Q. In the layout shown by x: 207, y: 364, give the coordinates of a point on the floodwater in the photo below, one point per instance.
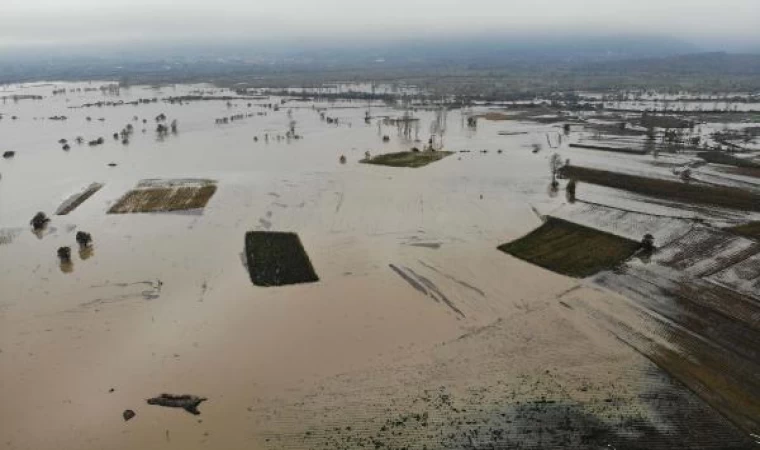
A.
x: 414, y: 301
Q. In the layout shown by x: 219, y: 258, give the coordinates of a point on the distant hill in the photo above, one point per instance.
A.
x: 716, y: 63
x: 470, y: 52
x: 494, y: 66
x: 500, y: 50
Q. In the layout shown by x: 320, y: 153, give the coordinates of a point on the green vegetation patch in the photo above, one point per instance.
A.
x: 277, y: 259
x: 571, y: 249
x: 721, y: 196
x: 153, y: 196
x: 750, y: 230
x: 407, y: 159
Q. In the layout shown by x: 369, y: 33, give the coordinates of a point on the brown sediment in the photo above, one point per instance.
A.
x: 425, y: 286
x: 435, y: 292
x: 454, y: 279
x: 75, y: 200
x: 462, y: 398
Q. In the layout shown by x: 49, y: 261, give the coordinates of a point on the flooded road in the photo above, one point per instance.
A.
x: 413, y: 301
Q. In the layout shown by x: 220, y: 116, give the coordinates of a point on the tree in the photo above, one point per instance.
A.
x: 555, y: 164
x: 647, y: 244
x: 571, y: 185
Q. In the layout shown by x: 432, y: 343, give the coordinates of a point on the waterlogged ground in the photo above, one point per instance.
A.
x: 419, y: 333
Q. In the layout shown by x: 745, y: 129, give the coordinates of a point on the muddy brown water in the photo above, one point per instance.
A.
x: 163, y: 303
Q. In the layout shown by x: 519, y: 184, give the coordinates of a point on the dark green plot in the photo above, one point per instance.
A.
x: 277, y: 259
x: 571, y: 249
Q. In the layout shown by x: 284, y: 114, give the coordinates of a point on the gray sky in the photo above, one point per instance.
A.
x: 112, y: 21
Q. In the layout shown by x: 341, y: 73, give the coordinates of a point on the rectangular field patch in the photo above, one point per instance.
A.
x: 678, y: 191
x: 277, y: 259
x: 571, y: 249
x: 150, y: 196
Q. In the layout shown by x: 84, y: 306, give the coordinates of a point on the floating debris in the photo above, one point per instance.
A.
x: 187, y: 402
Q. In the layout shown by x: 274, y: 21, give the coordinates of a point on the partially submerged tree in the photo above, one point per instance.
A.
x: 64, y: 254
x: 571, y: 185
x: 555, y: 165
x: 647, y: 244
x: 39, y: 221
x: 84, y: 239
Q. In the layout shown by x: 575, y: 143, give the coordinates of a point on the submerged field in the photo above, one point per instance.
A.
x: 419, y: 333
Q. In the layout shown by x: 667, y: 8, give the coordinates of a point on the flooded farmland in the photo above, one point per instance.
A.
x: 418, y: 332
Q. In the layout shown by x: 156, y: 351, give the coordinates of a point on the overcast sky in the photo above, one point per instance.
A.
x: 704, y: 22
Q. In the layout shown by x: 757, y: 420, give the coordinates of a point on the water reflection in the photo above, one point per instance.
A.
x: 86, y: 253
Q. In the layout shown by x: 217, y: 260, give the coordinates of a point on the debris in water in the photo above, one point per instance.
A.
x: 128, y: 414
x: 187, y: 402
